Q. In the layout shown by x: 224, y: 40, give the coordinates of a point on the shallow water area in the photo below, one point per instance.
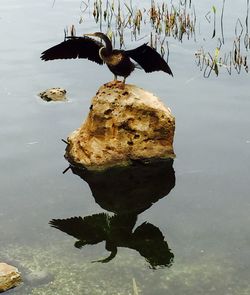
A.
x: 202, y: 215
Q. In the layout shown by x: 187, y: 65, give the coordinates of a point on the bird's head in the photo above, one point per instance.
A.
x: 97, y: 34
x: 103, y: 37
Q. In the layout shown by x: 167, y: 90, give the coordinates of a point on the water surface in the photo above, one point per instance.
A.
x: 204, y: 218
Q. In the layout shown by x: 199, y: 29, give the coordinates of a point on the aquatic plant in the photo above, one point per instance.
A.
x: 233, y: 59
x: 159, y: 21
x: 221, y: 22
x: 118, y: 18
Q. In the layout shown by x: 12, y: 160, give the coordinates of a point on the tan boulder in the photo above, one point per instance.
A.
x: 125, y: 123
x: 9, y: 277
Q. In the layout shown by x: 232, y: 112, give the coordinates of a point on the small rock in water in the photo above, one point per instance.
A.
x: 10, y: 277
x: 53, y: 94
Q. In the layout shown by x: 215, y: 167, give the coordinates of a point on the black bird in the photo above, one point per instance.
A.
x: 118, y: 61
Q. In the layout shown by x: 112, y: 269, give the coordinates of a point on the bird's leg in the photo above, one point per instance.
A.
x: 115, y: 77
x: 124, y: 80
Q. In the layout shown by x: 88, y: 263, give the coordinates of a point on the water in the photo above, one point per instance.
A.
x: 205, y: 217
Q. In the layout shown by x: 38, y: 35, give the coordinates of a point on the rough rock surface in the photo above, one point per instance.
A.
x: 53, y: 94
x: 9, y: 277
x: 125, y: 123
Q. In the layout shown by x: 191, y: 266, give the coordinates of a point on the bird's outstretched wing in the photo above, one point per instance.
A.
x: 71, y: 226
x: 149, y: 59
x: 75, y: 47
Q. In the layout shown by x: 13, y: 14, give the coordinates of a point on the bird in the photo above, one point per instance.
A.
x: 120, y: 62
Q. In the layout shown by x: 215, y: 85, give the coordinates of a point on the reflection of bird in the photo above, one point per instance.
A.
x: 117, y: 231
x: 118, y: 61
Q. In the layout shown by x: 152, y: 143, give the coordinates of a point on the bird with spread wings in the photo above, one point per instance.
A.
x: 118, y: 61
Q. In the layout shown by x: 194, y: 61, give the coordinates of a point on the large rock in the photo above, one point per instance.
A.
x: 9, y: 277
x: 125, y: 123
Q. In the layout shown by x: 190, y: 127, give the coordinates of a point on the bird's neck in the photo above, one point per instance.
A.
x: 104, y: 53
x: 108, y: 45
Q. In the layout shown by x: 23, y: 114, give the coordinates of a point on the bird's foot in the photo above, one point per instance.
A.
x: 115, y: 83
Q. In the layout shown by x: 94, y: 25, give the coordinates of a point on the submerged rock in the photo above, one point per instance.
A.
x: 125, y: 123
x: 38, y: 277
x: 10, y: 277
x: 53, y: 94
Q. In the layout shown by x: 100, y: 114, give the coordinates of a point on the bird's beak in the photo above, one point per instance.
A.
x: 93, y: 35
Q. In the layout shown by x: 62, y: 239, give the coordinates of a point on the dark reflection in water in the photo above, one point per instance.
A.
x: 126, y: 192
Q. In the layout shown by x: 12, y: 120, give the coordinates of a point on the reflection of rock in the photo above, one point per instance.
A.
x: 53, y: 94
x: 127, y: 192
x: 130, y: 189
x: 125, y: 123
x: 9, y: 277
